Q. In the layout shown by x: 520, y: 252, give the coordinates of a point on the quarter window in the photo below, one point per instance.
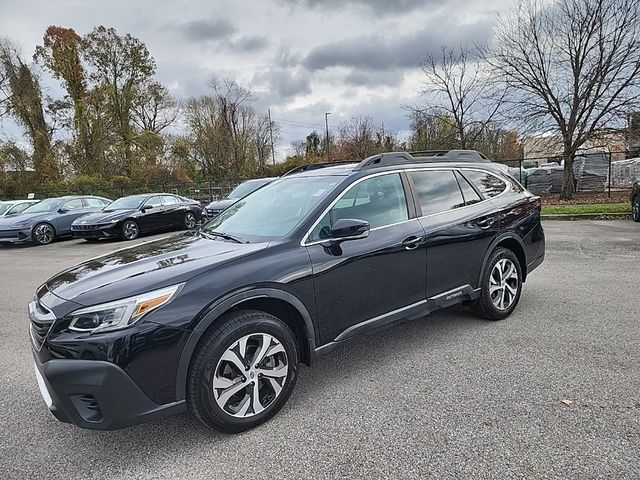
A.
x: 489, y: 185
x: 437, y: 191
x: 379, y: 200
x: 469, y: 194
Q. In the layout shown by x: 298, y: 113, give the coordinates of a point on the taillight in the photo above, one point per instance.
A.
x: 537, y: 202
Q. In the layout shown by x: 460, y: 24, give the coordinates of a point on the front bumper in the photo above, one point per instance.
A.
x: 97, y: 395
x: 15, y: 236
x: 98, y: 232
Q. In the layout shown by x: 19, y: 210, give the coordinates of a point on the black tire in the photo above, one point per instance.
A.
x: 635, y: 208
x: 207, y: 363
x: 130, y: 230
x: 190, y: 221
x: 484, y: 306
x: 43, y: 233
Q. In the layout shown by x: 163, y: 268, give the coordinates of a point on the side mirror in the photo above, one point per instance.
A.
x: 63, y: 210
x: 146, y: 207
x: 348, y: 229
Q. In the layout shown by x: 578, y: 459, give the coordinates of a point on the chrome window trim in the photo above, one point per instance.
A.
x: 304, y: 243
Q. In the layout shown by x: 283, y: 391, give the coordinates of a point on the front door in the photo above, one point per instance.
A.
x: 152, y: 215
x: 371, y: 279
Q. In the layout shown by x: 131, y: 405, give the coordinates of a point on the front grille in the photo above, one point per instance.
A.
x: 84, y: 227
x: 41, y: 321
x: 213, y: 213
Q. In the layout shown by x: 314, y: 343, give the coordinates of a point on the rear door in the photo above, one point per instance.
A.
x: 459, y: 224
x: 368, y: 281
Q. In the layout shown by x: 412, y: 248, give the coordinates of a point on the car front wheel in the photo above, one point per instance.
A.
x: 130, y: 230
x: 189, y: 221
x: 501, y: 286
x: 43, y: 233
x: 243, y: 372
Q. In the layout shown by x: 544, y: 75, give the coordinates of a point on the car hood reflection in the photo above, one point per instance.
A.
x: 145, y: 267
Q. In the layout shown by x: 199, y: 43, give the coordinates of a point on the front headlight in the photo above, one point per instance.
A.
x: 121, y: 313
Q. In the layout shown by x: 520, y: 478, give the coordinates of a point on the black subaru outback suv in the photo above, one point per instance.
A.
x: 217, y: 320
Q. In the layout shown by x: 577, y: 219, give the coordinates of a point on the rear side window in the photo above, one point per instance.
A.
x: 488, y: 184
x: 437, y: 191
x: 94, y: 203
x: 469, y: 194
x: 74, y: 204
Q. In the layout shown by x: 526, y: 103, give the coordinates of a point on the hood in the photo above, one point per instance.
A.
x: 222, y: 204
x: 145, y: 267
x: 22, y: 219
x: 103, y: 217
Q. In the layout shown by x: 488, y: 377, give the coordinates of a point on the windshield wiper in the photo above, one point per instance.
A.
x: 226, y: 236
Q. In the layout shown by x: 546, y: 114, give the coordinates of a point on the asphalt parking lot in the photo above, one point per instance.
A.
x: 449, y: 396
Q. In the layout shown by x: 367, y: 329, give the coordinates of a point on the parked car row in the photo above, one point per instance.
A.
x: 93, y: 217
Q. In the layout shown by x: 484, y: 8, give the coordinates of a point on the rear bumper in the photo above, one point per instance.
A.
x: 97, y: 395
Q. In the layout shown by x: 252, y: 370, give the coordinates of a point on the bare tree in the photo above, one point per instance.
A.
x: 357, y: 138
x: 460, y: 91
x: 575, y: 65
x: 154, y: 108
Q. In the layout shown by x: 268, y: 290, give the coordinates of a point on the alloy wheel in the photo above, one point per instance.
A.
x: 130, y: 230
x: 189, y: 221
x: 250, y: 375
x: 43, y: 233
x: 503, y: 284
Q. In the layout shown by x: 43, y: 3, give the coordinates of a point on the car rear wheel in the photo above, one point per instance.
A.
x: 501, y: 286
x: 243, y: 372
x: 43, y: 233
x: 635, y: 208
x: 130, y: 230
x: 189, y: 221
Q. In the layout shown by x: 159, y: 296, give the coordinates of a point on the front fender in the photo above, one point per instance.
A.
x: 221, y: 306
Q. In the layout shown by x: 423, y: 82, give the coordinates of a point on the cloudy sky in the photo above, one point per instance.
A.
x: 302, y: 57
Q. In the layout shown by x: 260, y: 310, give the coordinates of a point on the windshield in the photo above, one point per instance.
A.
x: 246, y: 188
x: 48, y: 205
x: 126, y: 203
x: 273, y: 211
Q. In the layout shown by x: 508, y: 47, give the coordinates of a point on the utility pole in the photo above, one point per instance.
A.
x: 273, y: 155
x: 326, y: 124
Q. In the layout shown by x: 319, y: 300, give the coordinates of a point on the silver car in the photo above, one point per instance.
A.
x: 13, y: 207
x: 48, y: 219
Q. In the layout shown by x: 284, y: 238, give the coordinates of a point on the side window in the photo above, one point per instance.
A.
x: 437, y: 191
x: 488, y: 184
x: 379, y: 200
x: 469, y: 194
x: 169, y: 200
x: 93, y: 203
x: 18, y: 208
x: 153, y: 202
x: 74, y: 204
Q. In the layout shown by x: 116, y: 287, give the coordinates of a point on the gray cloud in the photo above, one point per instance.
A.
x: 284, y: 84
x: 203, y: 30
x: 249, y: 43
x: 373, y: 78
x: 375, y: 6
x: 388, y: 53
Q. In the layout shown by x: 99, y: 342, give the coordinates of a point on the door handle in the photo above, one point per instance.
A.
x: 411, y: 243
x: 486, y: 223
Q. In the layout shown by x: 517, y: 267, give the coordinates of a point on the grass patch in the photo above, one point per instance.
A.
x: 586, y: 208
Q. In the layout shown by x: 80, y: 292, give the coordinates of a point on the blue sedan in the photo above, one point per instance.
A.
x: 42, y: 222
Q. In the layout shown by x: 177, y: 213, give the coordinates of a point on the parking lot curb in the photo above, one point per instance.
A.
x: 587, y: 216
